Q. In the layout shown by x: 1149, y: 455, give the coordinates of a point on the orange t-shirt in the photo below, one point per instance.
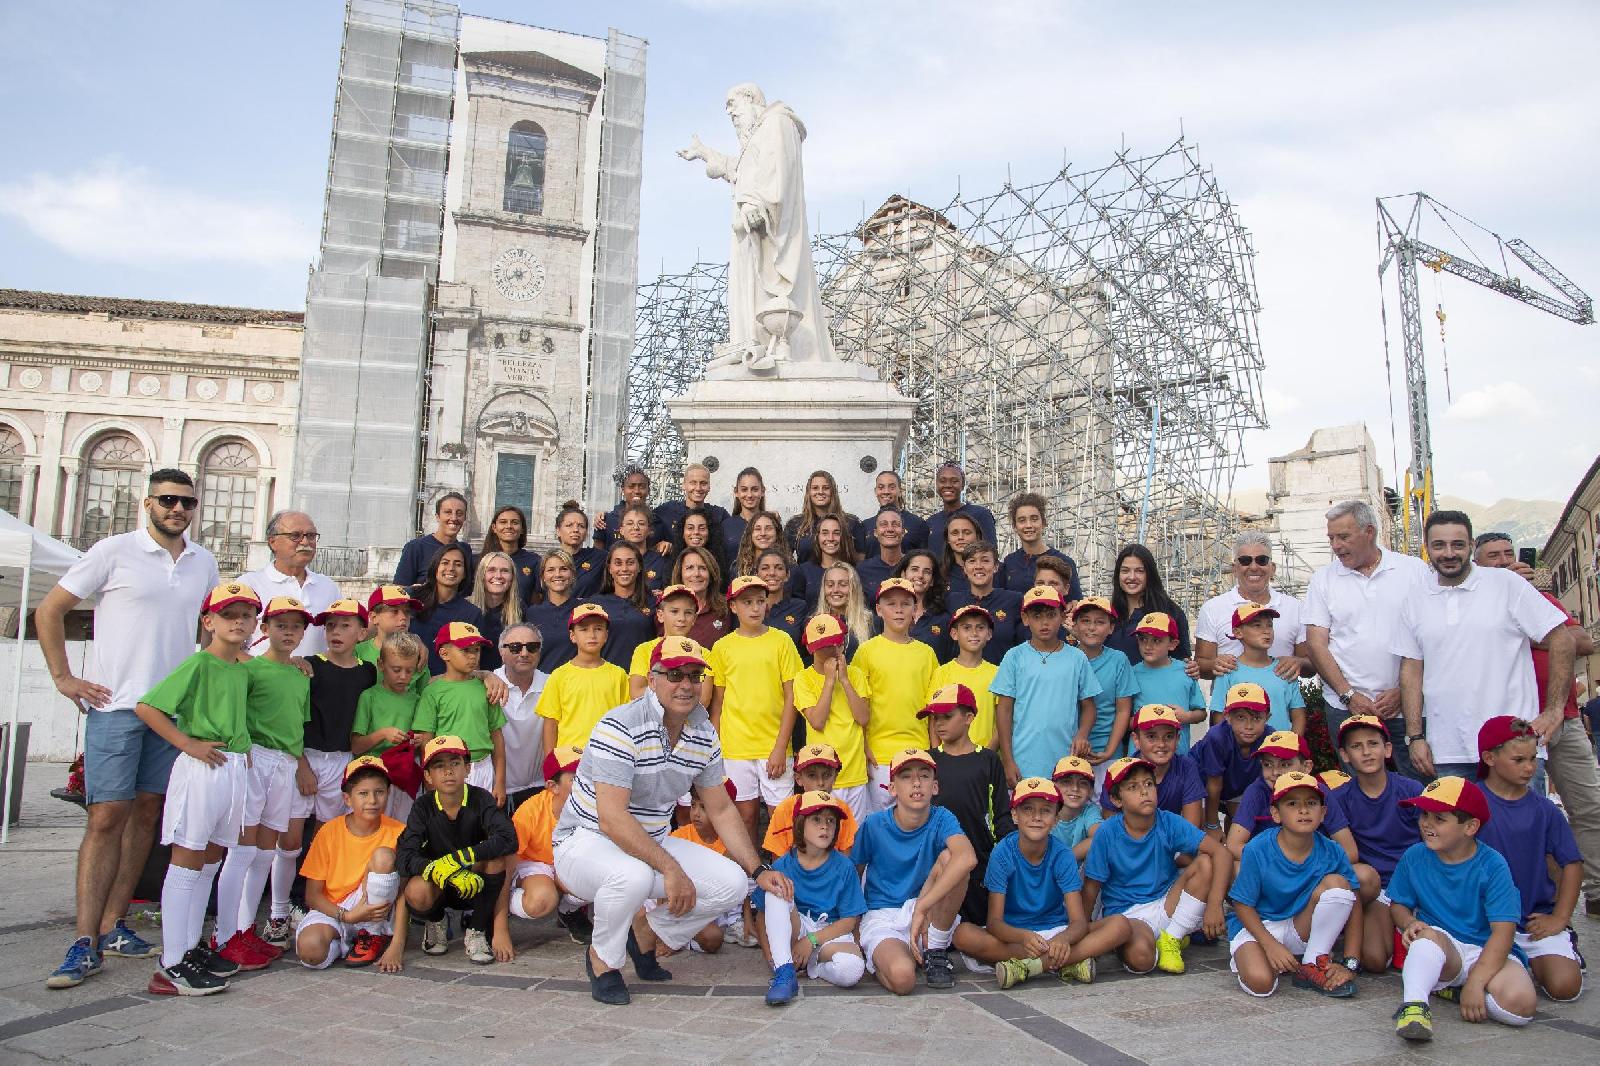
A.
x: 536, y: 824
x: 780, y: 829
x: 338, y: 858
x: 688, y: 833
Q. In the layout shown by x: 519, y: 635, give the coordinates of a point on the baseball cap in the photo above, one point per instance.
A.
x: 1365, y: 721
x: 1332, y: 779
x: 444, y: 745
x: 973, y: 610
x: 1072, y: 766
x: 1121, y: 768
x: 740, y: 585
x: 674, y: 653
x: 1452, y: 794
x: 824, y: 631
x: 1292, y: 780
x: 812, y: 754
x: 587, y: 612
x: 392, y: 596
x: 1034, y: 788
x: 812, y: 802
x: 343, y: 609
x: 1159, y: 624
x: 1495, y: 732
x: 909, y: 757
x: 1042, y: 596
x: 1247, y: 696
x: 561, y: 760
x: 285, y: 605
x: 460, y: 634
x: 947, y: 699
x: 895, y: 584
x: 1247, y: 612
x: 360, y: 763
x: 1285, y: 744
x: 1152, y: 715
x: 1097, y: 603
x: 227, y: 594
x: 678, y: 590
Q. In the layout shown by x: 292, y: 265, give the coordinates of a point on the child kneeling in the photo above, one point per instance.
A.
x: 532, y: 891
x: 828, y: 904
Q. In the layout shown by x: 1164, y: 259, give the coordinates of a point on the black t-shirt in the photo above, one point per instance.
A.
x: 335, y: 691
x: 973, y: 788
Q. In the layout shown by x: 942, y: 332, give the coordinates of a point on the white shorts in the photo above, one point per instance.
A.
x: 749, y: 777
x: 1557, y: 946
x: 855, y: 797
x: 205, y: 804
x: 1282, y: 930
x: 1469, y: 958
x: 481, y: 773
x: 328, y: 801
x: 269, y: 793
x: 344, y: 933
x: 400, y: 804
x: 1153, y: 914
x: 877, y: 786
x: 532, y: 868
x: 883, y: 924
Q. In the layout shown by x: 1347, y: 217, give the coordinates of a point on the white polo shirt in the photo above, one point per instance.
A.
x: 1360, y: 613
x: 148, y: 614
x: 318, y: 593
x: 523, y: 733
x: 1215, y: 622
x: 1473, y: 640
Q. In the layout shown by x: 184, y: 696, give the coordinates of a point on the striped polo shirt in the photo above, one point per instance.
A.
x: 628, y: 749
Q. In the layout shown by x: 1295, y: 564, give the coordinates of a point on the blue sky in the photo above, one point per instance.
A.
x: 177, y: 151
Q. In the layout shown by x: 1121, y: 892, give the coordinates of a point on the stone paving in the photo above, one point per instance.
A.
x: 538, y: 1007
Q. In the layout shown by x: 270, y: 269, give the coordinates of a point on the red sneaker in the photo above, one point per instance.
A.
x: 271, y: 951
x: 1397, y: 957
x: 366, y: 949
x: 239, y: 951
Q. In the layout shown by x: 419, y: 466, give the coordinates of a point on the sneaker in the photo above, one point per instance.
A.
x: 188, y: 978
x: 784, y: 987
x: 435, y: 938
x: 937, y: 969
x: 736, y: 933
x: 1449, y: 995
x: 82, y: 961
x: 213, y: 960
x: 1413, y: 1021
x: 239, y: 951
x: 477, y: 944
x: 1082, y: 972
x: 262, y: 946
x: 366, y: 949
x: 1008, y: 972
x: 1169, y: 953
x: 124, y: 943
x: 1318, y: 975
x: 577, y: 923
x: 277, y: 934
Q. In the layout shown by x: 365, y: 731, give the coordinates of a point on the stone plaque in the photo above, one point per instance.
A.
x: 519, y: 370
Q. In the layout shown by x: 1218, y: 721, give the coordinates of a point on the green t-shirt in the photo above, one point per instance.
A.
x: 210, y: 700
x: 380, y: 708
x: 280, y: 705
x: 462, y: 709
x: 367, y: 652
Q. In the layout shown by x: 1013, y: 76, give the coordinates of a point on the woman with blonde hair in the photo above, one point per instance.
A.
x: 843, y: 597
x: 494, y: 592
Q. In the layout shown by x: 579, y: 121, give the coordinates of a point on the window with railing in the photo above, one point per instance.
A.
x: 228, y: 503
x: 112, y: 488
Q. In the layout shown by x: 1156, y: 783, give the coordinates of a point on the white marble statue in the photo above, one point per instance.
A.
x: 774, y: 315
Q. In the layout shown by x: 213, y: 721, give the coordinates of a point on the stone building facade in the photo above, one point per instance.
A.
x: 1572, y: 558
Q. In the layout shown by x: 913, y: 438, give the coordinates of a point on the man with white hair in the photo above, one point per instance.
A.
x: 1216, y: 649
x: 292, y: 536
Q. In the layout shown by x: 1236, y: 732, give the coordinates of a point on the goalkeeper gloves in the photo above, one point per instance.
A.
x: 466, y: 883
x: 440, y: 870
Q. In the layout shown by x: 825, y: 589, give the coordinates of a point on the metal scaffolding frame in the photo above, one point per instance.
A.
x: 1090, y: 337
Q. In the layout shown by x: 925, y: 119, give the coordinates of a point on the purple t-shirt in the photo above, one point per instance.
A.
x: 1255, y: 811
x: 1524, y: 831
x: 1182, y: 785
x: 1383, y: 829
x: 1217, y: 754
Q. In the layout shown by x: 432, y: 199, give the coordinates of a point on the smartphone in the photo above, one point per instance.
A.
x: 1528, y: 556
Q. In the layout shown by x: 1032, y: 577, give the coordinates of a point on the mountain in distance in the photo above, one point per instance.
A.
x: 1529, y: 522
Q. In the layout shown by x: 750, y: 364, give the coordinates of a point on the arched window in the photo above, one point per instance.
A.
x: 11, y: 453
x: 228, y: 502
x: 525, y: 169
x: 112, y: 488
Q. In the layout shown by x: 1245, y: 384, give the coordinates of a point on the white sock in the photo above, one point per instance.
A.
x: 515, y: 903
x: 844, y: 970
x: 939, y: 939
x: 175, y: 892
x: 779, y: 920
x: 255, y: 883
x: 381, y: 888
x: 198, y: 901
x: 1501, y: 1015
x: 1186, y: 916
x: 230, y: 890
x: 1328, y: 919
x: 283, y: 871
x: 1424, y: 963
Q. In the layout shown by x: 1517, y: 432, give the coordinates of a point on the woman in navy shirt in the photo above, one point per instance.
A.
x: 508, y: 532
x: 1139, y: 591
x: 443, y: 601
x: 627, y: 600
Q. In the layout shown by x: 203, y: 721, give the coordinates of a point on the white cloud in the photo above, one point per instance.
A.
x: 1501, y: 400
x: 122, y: 214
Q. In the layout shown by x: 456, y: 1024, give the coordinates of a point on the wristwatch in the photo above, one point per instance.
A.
x: 764, y: 868
x: 1344, y: 697
x: 1420, y: 734
x: 1352, y: 964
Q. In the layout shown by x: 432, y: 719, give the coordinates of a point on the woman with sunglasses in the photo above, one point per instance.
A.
x: 1216, y: 649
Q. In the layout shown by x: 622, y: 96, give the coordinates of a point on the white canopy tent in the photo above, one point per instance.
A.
x: 30, y: 564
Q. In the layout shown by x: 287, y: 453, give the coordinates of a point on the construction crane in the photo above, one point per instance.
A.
x: 1400, y: 224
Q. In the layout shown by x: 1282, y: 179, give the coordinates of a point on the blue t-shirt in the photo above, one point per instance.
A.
x: 1383, y: 829
x: 1169, y: 685
x: 1461, y: 898
x: 826, y: 894
x: 1115, y: 676
x: 1282, y: 696
x: 1047, y: 689
x: 1135, y: 870
x: 1217, y: 754
x: 1005, y: 609
x: 1034, y: 893
x: 1524, y: 832
x: 1182, y: 785
x: 898, y: 862
x: 1255, y: 811
x: 1278, y: 887
x: 1071, y: 832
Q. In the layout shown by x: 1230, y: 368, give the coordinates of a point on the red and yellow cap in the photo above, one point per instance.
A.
x: 674, y: 653
x: 948, y: 699
x: 1072, y: 766
x: 1249, y: 612
x: 1159, y: 624
x: 1042, y: 596
x: 1332, y: 779
x: 824, y: 631
x: 740, y: 585
x: 1285, y: 744
x: 444, y: 745
x: 1452, y: 794
x: 814, y: 755
x: 343, y: 609
x: 285, y: 605
x: 459, y: 634
x: 363, y: 762
x: 587, y: 612
x: 1292, y: 780
x: 812, y: 802
x: 561, y: 760
x: 895, y: 584
x: 1034, y: 788
x: 1364, y: 721
x: 227, y: 594
x: 1247, y: 696
x: 972, y: 610
x: 910, y: 757
x: 392, y: 596
x: 678, y: 590
x: 1497, y: 731
x: 1094, y: 603
x: 1152, y: 715
x: 1122, y: 768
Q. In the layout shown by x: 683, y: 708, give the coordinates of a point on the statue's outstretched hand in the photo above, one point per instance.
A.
x: 696, y: 149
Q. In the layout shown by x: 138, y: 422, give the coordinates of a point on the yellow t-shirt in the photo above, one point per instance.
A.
x: 577, y: 697
x: 847, y: 738
x: 977, y: 678
x: 898, y: 675
x: 751, y: 671
x: 639, y: 665
x: 338, y: 858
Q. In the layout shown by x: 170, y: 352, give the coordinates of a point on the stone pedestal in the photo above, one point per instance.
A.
x: 837, y: 417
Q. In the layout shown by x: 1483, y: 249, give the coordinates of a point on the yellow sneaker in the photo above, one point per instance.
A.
x: 1413, y: 1021
x: 1081, y: 971
x: 1169, y: 953
x: 1009, y: 972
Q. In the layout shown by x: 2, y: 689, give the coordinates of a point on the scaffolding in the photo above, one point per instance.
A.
x: 1091, y: 337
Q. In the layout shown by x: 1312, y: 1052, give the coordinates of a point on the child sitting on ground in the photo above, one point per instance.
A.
x: 1080, y: 815
x: 827, y: 908
x: 1178, y: 785
x: 531, y: 891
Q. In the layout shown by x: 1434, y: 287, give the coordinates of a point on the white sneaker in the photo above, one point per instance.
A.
x: 435, y: 938
x: 477, y: 945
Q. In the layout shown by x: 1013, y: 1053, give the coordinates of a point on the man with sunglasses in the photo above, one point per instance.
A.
x: 150, y: 583
x: 523, y: 732
x: 1216, y: 649
x: 292, y: 537
x: 612, y: 844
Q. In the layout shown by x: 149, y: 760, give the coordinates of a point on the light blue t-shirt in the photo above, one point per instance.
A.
x: 1137, y: 870
x: 1461, y: 898
x: 1115, y: 676
x: 1282, y: 695
x: 826, y: 894
x: 1047, y: 689
x: 1278, y: 887
x: 898, y: 862
x: 1072, y: 831
x: 1035, y: 893
x: 1169, y: 685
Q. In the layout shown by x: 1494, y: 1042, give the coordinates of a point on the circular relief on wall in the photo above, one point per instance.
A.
x: 711, y: 463
x: 206, y: 389
x: 518, y: 274
x: 263, y: 391
x: 90, y: 381
x: 868, y: 464
x: 31, y: 378
x: 149, y: 385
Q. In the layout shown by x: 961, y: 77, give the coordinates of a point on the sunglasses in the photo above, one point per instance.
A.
x: 678, y: 677
x: 517, y: 647
x: 1259, y: 560
x: 169, y: 501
